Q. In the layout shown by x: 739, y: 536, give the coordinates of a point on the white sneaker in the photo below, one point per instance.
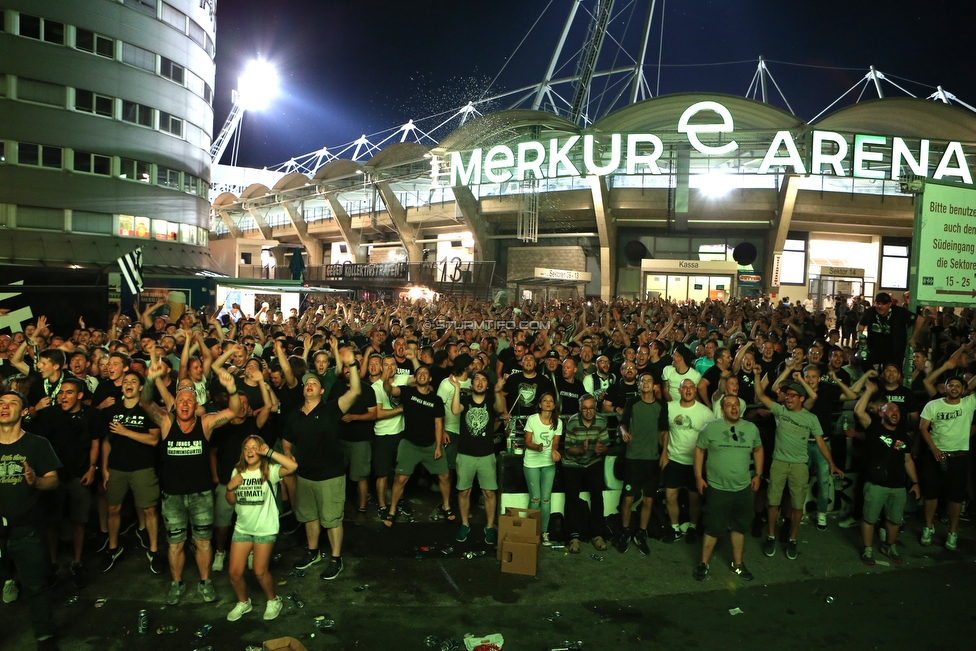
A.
x: 952, y: 541
x: 272, y: 609
x: 250, y: 561
x: 821, y: 521
x: 218, y: 561
x: 241, y: 609
x: 545, y: 539
x: 10, y: 592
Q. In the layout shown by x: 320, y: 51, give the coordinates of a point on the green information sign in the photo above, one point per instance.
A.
x: 943, y: 268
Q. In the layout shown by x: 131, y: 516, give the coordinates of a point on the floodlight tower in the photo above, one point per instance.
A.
x: 255, y: 89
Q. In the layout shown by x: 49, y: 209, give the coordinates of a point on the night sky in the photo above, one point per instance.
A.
x: 351, y: 67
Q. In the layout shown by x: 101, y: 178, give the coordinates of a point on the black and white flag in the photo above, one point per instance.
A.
x: 131, y: 266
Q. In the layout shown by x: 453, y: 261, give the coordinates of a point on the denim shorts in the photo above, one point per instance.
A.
x: 182, y: 511
x: 257, y: 540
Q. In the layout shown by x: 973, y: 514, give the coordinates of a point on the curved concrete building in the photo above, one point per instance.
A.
x: 106, y: 129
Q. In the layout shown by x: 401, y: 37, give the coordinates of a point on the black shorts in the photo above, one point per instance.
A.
x: 678, y: 475
x: 384, y: 453
x: 953, y: 480
x: 641, y: 476
x: 725, y: 510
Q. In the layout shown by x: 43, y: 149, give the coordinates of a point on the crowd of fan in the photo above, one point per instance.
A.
x: 228, y: 429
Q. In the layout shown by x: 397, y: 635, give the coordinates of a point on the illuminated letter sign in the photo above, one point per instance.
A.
x: 650, y: 160
x: 694, y: 129
x: 792, y: 158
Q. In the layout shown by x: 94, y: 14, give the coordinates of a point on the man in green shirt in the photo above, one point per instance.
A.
x: 795, y: 427
x: 728, y: 445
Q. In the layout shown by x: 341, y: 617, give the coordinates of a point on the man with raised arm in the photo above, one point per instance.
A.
x: 313, y: 430
x: 186, y: 478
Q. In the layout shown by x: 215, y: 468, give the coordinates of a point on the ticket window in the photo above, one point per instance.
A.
x: 683, y: 287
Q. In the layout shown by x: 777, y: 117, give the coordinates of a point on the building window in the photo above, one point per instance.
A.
x: 49, y: 219
x: 895, y: 255
x: 38, y: 155
x: 170, y: 124
x: 210, y: 46
x: 195, y: 84
x: 91, y: 222
x: 137, y: 113
x: 197, y: 34
x: 147, y: 7
x: 794, y: 268
x: 89, y: 102
x: 93, y: 163
x: 54, y: 32
x: 88, y: 41
x: 167, y: 177
x: 207, y: 93
x: 174, y: 18
x: 171, y: 70
x: 30, y: 26
x: 138, y: 57
x: 135, y: 170
x: 41, y: 92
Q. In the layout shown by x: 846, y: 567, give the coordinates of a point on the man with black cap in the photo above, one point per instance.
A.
x: 795, y: 427
x: 550, y: 363
x: 887, y: 327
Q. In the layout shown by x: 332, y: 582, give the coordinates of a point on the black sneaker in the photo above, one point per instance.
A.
x: 640, y: 542
x: 701, y: 571
x: 672, y: 536
x: 692, y: 536
x: 332, y: 570
x: 310, y: 558
x: 142, y: 535
x: 622, y: 542
x: 791, y: 550
x: 155, y: 562
x: 110, y: 556
x: 79, y: 575
x: 740, y: 570
x: 769, y: 547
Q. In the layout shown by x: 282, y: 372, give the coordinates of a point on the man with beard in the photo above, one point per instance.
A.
x: 129, y: 463
x: 74, y: 430
x: 520, y: 392
x: 597, y: 384
x: 727, y: 445
x: 585, y: 445
x: 186, y: 478
x: 476, y: 448
x: 423, y: 440
x: 888, y: 460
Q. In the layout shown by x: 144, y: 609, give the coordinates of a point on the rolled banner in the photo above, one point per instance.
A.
x: 177, y: 303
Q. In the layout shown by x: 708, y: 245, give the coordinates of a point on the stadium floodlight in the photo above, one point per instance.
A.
x: 257, y: 86
x: 255, y: 90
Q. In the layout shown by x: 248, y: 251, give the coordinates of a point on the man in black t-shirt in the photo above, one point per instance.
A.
x: 887, y: 460
x: 521, y: 391
x: 74, y: 430
x: 29, y: 466
x: 423, y: 440
x: 129, y: 463
x: 321, y: 489
x: 570, y: 389
x: 887, y: 327
x: 356, y: 434
x: 476, y: 451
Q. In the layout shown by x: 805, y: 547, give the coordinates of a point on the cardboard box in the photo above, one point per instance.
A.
x: 520, y: 554
x: 284, y: 644
x: 522, y: 522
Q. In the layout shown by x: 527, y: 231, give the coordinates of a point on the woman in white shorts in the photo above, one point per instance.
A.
x: 251, y: 491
